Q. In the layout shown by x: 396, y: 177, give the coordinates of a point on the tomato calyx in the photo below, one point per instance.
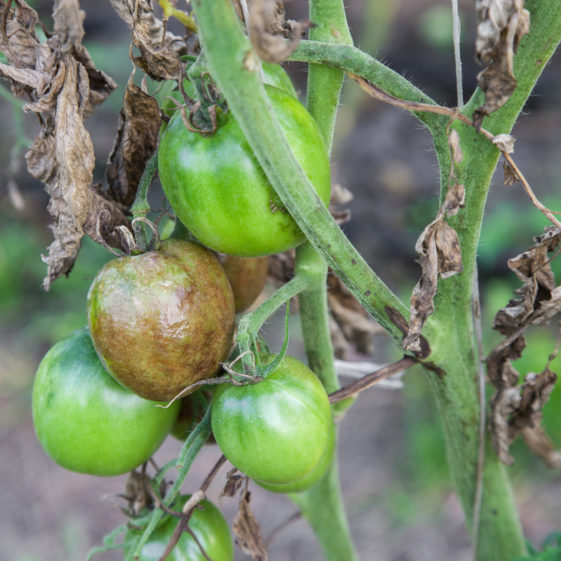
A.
x: 203, y: 102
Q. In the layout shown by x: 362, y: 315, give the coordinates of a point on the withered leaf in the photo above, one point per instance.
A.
x: 247, y: 530
x: 234, y: 482
x: 18, y: 39
x: 439, y: 256
x: 518, y: 409
x: 273, y: 37
x: 510, y: 176
x: 540, y: 444
x: 69, y: 32
x: 501, y: 26
x: 63, y: 159
x: 538, y: 299
x: 136, y: 141
x: 160, y: 50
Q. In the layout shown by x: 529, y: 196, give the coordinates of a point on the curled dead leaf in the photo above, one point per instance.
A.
x: 247, y: 530
x: 510, y: 175
x: 439, y: 256
x: 234, y: 482
x: 501, y: 26
x: 273, y: 37
x: 160, y: 50
x: 516, y: 409
x: 136, y: 141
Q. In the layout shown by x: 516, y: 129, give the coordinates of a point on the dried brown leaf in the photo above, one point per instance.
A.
x: 510, y: 175
x: 247, y: 531
x: 18, y: 39
x: 541, y: 445
x: 517, y: 409
x: 69, y: 32
x: 273, y: 37
x: 502, y: 24
x: 439, y: 256
x: 234, y: 482
x: 160, y: 50
x: 63, y: 159
x: 136, y: 141
x: 538, y: 300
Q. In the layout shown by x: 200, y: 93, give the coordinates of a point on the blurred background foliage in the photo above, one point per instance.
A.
x: 385, y: 158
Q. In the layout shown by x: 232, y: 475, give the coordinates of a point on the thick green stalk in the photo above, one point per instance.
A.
x: 499, y: 536
x: 323, y: 505
x: 233, y: 65
x: 322, y: 508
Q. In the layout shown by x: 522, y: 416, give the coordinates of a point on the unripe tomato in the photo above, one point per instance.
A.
x: 247, y: 276
x: 162, y: 320
x: 86, y: 421
x: 277, y: 430
x: 206, y: 522
x: 219, y: 191
x: 311, y: 478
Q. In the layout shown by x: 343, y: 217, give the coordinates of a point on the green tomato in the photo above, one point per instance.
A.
x: 219, y: 191
x: 275, y: 431
x: 86, y: 421
x: 311, y: 478
x: 206, y: 522
x: 162, y: 320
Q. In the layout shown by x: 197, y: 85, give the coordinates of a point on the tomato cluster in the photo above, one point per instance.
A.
x: 161, y: 321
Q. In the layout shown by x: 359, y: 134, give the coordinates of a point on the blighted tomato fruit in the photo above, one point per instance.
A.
x: 87, y: 422
x: 162, y: 320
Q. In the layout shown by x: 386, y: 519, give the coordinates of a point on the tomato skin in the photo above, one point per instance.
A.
x: 162, y: 320
x: 207, y: 523
x: 311, y: 478
x: 247, y: 276
x: 219, y: 191
x: 275, y: 431
x: 87, y: 422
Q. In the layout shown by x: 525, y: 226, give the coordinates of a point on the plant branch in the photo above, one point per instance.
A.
x: 229, y: 55
x: 372, y: 379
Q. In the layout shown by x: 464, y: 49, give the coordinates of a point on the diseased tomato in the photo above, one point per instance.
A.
x: 221, y: 194
x: 275, y: 431
x: 86, y: 421
x: 247, y: 276
x: 208, y: 525
x: 162, y: 320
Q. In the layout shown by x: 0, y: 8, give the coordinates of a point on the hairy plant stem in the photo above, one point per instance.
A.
x: 231, y: 60
x: 499, y: 536
x: 324, y: 90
